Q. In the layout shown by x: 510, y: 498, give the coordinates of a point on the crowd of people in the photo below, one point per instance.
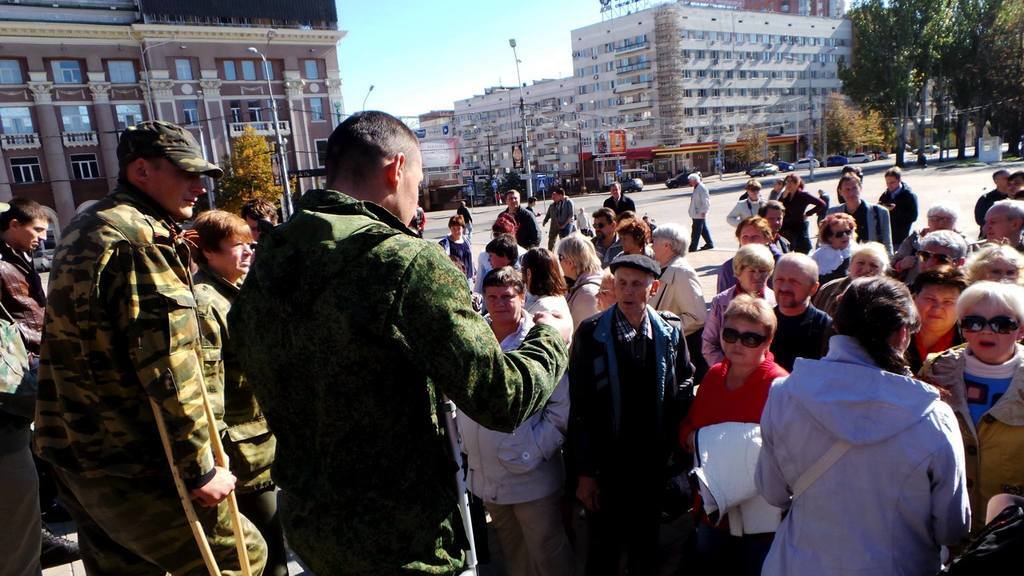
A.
x: 847, y: 402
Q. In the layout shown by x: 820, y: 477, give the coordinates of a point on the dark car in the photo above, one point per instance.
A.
x: 679, y: 180
x: 784, y: 166
x: 837, y: 160
x: 762, y: 169
x: 632, y: 184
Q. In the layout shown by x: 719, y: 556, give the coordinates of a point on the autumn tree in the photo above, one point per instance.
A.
x: 848, y: 129
x: 248, y: 174
x: 755, y: 141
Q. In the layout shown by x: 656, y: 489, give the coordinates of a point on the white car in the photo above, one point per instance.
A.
x: 859, y: 158
x: 806, y: 163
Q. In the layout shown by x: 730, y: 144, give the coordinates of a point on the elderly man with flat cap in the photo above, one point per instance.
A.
x: 631, y: 383
x: 121, y: 336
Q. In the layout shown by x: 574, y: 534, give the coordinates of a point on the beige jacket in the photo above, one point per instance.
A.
x: 680, y: 294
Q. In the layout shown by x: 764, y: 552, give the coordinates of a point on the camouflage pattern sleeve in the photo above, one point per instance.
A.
x: 156, y: 309
x: 459, y: 353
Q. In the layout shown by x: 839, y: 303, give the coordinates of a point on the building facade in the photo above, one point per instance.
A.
x: 72, y: 78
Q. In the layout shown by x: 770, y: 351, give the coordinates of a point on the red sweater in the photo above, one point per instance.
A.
x: 715, y: 403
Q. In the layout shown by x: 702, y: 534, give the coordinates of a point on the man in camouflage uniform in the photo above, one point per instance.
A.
x: 350, y: 329
x: 224, y: 254
x: 121, y: 330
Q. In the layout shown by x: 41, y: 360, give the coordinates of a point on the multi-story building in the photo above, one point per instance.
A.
x: 73, y: 75
x: 686, y: 82
x: 439, y: 149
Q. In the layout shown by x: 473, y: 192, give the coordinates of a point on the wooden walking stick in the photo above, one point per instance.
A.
x: 186, y: 500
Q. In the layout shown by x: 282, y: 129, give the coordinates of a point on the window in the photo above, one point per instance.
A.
x: 183, y: 68
x: 190, y: 111
x: 267, y: 69
x: 16, y: 120
x: 26, y: 170
x: 236, y: 110
x: 75, y: 118
x: 248, y: 70
x: 10, y: 72
x: 316, y: 109
x: 121, y: 71
x: 85, y: 166
x: 311, y: 70
x: 229, y: 70
x: 128, y: 115
x: 67, y: 71
x: 255, y: 111
x: 321, y: 153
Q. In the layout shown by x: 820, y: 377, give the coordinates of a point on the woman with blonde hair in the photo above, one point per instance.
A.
x: 753, y: 265
x: 868, y: 259
x: 995, y: 263
x: 582, y: 270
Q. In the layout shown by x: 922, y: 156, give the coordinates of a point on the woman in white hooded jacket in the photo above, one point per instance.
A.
x: 868, y: 460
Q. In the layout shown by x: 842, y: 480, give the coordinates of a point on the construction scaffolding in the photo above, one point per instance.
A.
x: 668, y: 39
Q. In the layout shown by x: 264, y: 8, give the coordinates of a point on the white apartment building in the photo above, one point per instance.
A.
x: 685, y: 82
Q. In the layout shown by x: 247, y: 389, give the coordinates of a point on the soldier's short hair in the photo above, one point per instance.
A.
x: 215, y: 226
x: 259, y: 209
x: 504, y: 277
x: 24, y: 211
x: 505, y: 246
x: 771, y: 205
x: 359, y: 144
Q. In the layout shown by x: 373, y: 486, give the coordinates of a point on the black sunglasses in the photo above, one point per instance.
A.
x: 748, y: 339
x: 925, y: 256
x: 842, y: 233
x: 998, y: 324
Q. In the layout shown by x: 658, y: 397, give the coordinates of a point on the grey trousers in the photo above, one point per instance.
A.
x: 533, y: 539
x: 20, y: 540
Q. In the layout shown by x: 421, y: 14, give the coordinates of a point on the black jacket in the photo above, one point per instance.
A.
x: 903, y: 215
x: 527, y: 232
x: 625, y: 203
x: 984, y: 203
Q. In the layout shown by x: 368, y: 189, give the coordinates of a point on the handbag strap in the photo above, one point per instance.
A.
x: 820, y: 467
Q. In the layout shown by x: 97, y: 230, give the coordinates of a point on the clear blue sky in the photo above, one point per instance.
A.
x: 422, y: 55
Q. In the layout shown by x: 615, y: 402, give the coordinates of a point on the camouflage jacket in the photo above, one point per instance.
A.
x: 121, y: 329
x: 17, y: 387
x: 350, y: 329
x: 247, y: 439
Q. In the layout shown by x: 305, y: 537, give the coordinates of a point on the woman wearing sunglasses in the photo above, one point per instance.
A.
x: 753, y: 266
x: 984, y: 381
x: 868, y: 460
x: 837, y: 235
x: 735, y: 390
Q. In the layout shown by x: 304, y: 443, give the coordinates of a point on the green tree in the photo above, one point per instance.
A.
x: 755, y: 143
x: 248, y: 174
x: 513, y: 181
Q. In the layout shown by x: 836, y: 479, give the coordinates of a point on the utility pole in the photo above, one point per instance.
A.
x: 522, y: 116
x: 282, y: 152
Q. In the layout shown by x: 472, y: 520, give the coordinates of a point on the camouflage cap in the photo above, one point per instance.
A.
x: 157, y: 139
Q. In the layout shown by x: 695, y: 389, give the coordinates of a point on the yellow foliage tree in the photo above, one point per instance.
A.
x: 248, y: 174
x: 754, y: 141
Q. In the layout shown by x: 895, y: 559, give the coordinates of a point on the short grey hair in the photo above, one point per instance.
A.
x: 675, y: 235
x: 946, y: 210
x: 947, y: 239
x: 694, y: 176
x: 805, y: 263
x: 1014, y: 209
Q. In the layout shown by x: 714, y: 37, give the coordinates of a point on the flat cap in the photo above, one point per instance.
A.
x: 636, y: 262
x: 157, y: 139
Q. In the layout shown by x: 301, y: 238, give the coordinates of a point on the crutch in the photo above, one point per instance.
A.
x: 448, y: 410
x: 186, y: 501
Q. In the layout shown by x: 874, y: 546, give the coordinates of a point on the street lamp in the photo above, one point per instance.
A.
x: 143, y: 49
x: 522, y: 116
x: 367, y: 97
x: 286, y: 201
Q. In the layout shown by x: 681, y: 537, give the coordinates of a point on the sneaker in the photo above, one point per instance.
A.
x: 57, y: 551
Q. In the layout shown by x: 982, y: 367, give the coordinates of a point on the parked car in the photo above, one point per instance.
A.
x: 859, y: 158
x: 931, y: 149
x: 679, y: 180
x: 632, y: 184
x: 762, y: 169
x: 837, y: 160
x: 784, y: 166
x: 806, y: 163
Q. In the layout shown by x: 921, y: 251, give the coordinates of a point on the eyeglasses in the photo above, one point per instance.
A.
x: 998, y: 324
x: 842, y: 233
x: 925, y: 256
x: 748, y: 339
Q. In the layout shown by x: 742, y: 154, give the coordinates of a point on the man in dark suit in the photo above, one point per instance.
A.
x: 901, y: 202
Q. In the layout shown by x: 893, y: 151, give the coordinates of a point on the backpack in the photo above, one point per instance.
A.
x: 998, y: 549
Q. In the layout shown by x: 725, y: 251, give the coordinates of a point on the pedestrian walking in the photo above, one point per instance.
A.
x: 700, y: 205
x: 122, y: 301
x: 351, y: 330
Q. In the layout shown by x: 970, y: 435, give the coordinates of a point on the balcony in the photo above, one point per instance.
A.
x: 72, y: 139
x: 635, y: 105
x: 632, y: 67
x: 638, y: 123
x: 262, y: 128
x: 25, y: 141
x: 623, y: 88
x: 632, y: 47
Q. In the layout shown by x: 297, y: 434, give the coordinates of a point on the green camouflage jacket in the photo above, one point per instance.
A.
x: 247, y: 439
x: 17, y: 387
x: 350, y: 329
x: 121, y: 329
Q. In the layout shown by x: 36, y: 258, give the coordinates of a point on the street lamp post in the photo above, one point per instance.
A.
x: 522, y: 116
x: 365, y: 98
x: 143, y: 49
x: 282, y: 155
